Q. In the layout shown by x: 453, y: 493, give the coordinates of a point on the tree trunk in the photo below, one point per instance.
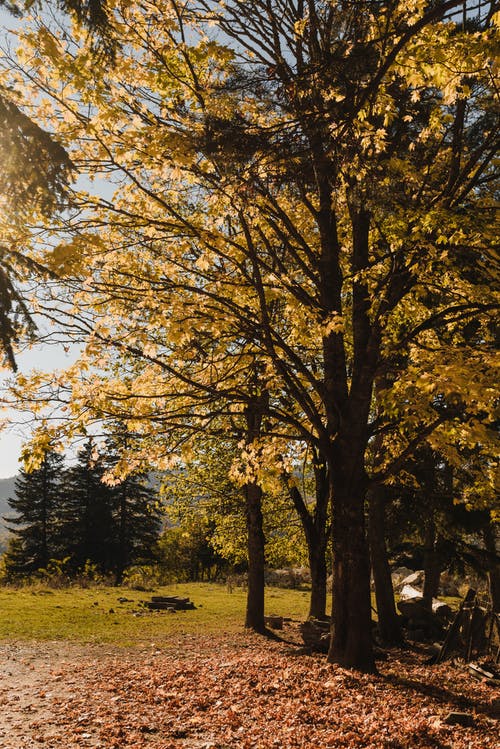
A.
x: 493, y: 573
x: 388, y: 621
x: 351, y: 643
x: 317, y: 565
x: 256, y: 559
x: 316, y: 535
x: 254, y: 618
x: 121, y: 560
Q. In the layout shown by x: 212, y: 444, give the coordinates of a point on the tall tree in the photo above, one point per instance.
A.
x: 87, y: 527
x: 136, y: 515
x: 35, y: 179
x: 314, y: 195
x: 36, y: 524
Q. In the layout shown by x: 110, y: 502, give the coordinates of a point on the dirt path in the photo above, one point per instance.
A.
x: 31, y: 688
x: 48, y: 699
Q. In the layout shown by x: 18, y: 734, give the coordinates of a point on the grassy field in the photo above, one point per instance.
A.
x: 96, y: 615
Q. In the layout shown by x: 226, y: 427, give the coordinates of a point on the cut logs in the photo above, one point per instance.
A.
x: 474, y: 632
x: 169, y: 603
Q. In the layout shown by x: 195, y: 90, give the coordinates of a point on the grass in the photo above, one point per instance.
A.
x: 96, y: 615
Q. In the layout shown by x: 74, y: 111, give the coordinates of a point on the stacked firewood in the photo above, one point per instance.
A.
x: 169, y: 603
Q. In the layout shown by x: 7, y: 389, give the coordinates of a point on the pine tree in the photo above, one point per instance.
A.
x: 136, y: 515
x: 36, y: 526
x: 87, y: 521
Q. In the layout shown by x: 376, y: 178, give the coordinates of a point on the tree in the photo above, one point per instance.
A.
x: 36, y: 526
x: 87, y: 527
x: 303, y: 201
x: 135, y: 512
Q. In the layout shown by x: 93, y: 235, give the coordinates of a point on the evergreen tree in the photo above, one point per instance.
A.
x: 136, y: 520
x: 36, y: 526
x: 87, y: 515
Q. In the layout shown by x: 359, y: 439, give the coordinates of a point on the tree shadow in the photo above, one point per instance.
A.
x: 443, y: 694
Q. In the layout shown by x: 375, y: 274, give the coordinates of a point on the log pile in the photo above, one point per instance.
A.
x: 169, y: 603
x: 421, y: 624
x: 474, y: 632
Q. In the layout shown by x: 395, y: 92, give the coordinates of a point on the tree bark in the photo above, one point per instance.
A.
x: 315, y: 527
x: 317, y: 564
x: 432, y: 564
x: 254, y: 619
x: 351, y: 643
x: 388, y: 621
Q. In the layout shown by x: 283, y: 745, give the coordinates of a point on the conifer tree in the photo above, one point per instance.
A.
x: 135, y: 514
x: 87, y: 521
x: 36, y: 526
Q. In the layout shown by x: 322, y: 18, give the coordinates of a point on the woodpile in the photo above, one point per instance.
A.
x: 169, y: 603
x: 474, y: 633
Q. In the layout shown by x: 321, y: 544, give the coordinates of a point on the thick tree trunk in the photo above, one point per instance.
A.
x: 490, y: 542
x: 388, y: 622
x: 351, y: 643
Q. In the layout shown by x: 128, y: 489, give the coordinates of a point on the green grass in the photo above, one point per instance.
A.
x: 96, y: 615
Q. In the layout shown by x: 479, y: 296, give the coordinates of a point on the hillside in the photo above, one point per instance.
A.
x: 7, y: 488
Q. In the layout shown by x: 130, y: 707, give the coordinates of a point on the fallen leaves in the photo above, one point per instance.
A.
x: 246, y: 693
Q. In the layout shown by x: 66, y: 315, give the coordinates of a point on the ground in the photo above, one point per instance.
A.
x: 232, y: 691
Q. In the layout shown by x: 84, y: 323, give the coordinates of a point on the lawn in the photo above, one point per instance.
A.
x: 97, y: 615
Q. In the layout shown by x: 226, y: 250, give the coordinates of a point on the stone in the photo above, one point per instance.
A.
x: 316, y: 634
x: 400, y: 573
x: 441, y: 609
x: 415, y: 578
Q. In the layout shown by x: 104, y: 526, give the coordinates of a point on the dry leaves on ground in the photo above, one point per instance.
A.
x: 251, y: 693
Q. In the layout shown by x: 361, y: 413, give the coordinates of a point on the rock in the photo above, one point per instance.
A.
x: 411, y: 605
x: 399, y: 574
x: 292, y: 577
x: 441, y: 609
x: 415, y: 578
x: 422, y: 623
x: 459, y: 719
x: 408, y: 592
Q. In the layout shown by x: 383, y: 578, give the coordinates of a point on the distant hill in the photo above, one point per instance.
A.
x: 7, y: 489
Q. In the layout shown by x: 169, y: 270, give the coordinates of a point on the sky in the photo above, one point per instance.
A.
x: 14, y: 433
